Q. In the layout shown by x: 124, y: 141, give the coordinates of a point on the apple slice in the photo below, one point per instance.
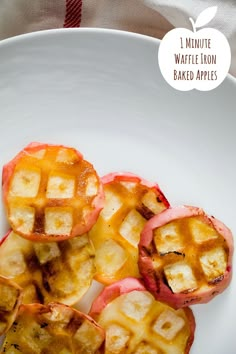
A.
x: 129, y: 202
x: 185, y: 256
x: 137, y: 323
x: 53, y: 271
x: 53, y: 328
x: 10, y: 300
x: 51, y: 193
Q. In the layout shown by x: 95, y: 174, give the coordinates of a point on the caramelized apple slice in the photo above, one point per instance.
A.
x: 53, y: 328
x: 129, y: 202
x: 136, y: 323
x: 52, y: 271
x: 10, y: 300
x: 185, y: 256
x: 51, y: 193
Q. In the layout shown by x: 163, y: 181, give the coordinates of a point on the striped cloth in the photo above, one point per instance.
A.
x: 73, y: 13
x: 150, y: 17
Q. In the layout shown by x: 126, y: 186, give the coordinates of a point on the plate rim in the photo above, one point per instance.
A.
x: 90, y: 30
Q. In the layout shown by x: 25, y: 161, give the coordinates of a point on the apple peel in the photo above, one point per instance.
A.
x: 185, y: 256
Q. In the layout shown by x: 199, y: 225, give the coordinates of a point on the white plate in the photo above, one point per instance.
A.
x: 102, y: 92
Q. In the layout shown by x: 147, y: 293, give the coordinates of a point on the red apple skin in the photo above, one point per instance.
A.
x: 155, y: 284
x: 124, y: 286
x: 5, y: 237
x: 112, y: 291
x: 131, y: 177
x: 79, y: 229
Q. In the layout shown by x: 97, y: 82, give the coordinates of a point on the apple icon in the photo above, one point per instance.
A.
x: 197, y: 59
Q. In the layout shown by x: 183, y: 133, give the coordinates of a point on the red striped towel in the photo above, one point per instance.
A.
x: 73, y: 13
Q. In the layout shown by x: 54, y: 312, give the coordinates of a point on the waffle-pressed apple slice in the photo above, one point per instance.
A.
x: 129, y: 202
x: 53, y: 328
x: 53, y: 271
x: 137, y: 323
x: 10, y: 300
x: 51, y: 193
x: 185, y: 256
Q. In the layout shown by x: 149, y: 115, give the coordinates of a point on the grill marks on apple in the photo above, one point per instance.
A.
x: 52, y: 328
x: 52, y: 271
x: 129, y: 203
x: 136, y: 323
x: 10, y: 300
x: 188, y: 255
x: 202, y: 260
x: 51, y: 191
